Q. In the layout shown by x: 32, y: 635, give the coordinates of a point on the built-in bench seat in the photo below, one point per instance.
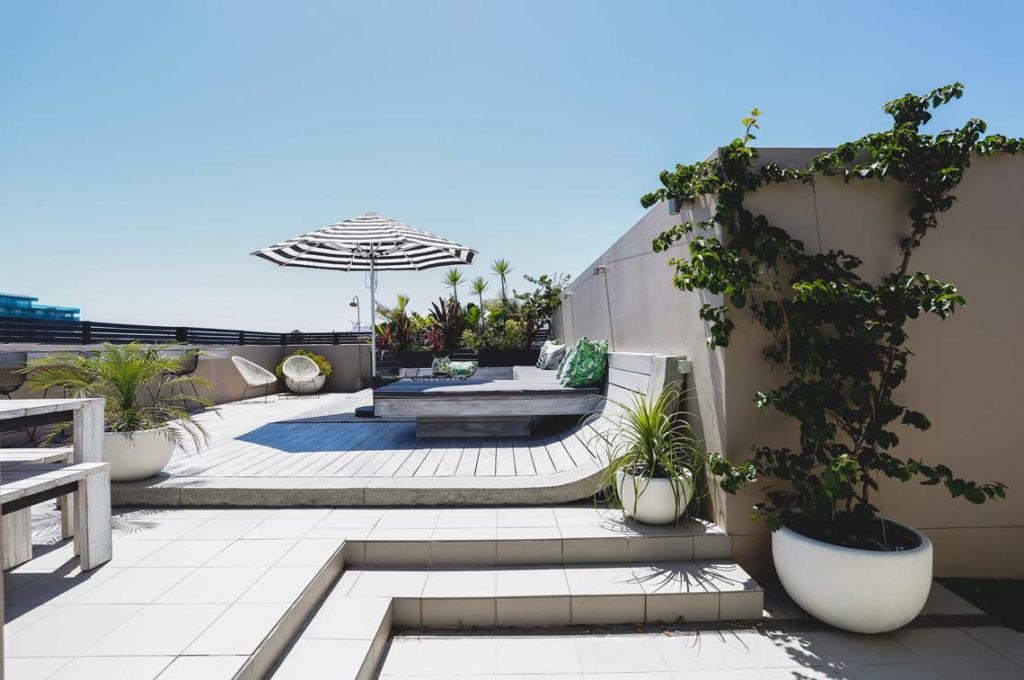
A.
x: 500, y: 407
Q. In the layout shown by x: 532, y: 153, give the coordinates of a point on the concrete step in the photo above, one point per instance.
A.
x: 571, y: 536
x: 551, y: 595
x: 349, y: 633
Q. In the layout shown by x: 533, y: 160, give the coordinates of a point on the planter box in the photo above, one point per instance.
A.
x: 414, y: 358
x: 508, y: 357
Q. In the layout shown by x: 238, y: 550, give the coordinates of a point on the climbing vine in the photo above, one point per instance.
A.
x: 840, y: 340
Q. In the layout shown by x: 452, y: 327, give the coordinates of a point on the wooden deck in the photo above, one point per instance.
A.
x: 252, y: 450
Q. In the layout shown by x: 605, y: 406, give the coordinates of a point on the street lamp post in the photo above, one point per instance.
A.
x: 359, y: 319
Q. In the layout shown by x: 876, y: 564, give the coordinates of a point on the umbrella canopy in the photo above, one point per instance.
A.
x: 369, y: 243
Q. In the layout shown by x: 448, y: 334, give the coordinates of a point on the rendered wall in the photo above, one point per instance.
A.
x: 351, y: 364
x: 964, y: 375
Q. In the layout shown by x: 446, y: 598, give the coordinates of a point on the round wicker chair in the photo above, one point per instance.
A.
x: 301, y: 371
x: 255, y: 376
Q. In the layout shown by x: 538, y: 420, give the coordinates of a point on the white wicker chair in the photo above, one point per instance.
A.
x: 301, y: 371
x: 255, y: 376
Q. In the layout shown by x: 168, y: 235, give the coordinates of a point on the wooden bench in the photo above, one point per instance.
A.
x: 23, y: 485
x: 504, y: 407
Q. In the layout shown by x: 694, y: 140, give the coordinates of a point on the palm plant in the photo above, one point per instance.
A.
x: 502, y: 268
x: 648, y: 440
x: 479, y: 286
x: 126, y: 377
x: 453, y: 278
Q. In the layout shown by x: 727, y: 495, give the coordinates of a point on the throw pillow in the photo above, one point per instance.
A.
x: 552, y: 358
x: 463, y: 369
x: 565, y: 361
x: 545, y: 350
x: 441, y: 366
x: 587, y: 365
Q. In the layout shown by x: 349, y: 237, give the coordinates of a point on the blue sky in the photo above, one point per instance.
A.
x: 147, y: 148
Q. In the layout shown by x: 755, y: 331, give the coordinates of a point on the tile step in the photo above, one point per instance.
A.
x: 350, y: 630
x: 560, y: 595
x: 596, y: 542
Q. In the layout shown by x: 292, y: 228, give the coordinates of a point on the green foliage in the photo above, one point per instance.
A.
x: 511, y: 335
x: 398, y: 332
x: 840, y: 340
x: 447, y: 325
x: 470, y: 339
x: 453, y: 278
x: 536, y: 307
x: 320, y: 360
x: 136, y: 382
x: 648, y: 439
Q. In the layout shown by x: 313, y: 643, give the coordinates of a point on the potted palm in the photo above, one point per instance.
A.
x: 652, y: 456
x: 146, y: 412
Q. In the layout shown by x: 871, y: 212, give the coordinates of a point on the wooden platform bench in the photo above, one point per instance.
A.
x: 23, y: 485
x: 504, y: 407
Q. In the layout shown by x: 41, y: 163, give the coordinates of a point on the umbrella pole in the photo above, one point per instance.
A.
x: 373, y: 323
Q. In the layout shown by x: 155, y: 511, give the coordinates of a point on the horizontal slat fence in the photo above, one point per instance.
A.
x: 46, y: 332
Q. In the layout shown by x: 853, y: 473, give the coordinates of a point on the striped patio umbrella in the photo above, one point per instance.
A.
x: 368, y: 243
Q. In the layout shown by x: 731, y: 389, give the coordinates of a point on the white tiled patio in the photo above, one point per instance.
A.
x: 212, y: 594
x: 982, y: 653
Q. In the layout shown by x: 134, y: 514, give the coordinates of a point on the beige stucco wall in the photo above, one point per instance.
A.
x: 351, y: 365
x: 964, y: 375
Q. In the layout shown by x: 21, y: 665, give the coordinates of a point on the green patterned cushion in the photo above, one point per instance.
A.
x: 565, y: 362
x: 587, y: 364
x: 441, y: 366
x: 462, y: 369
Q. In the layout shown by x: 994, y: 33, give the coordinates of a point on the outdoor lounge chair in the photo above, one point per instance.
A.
x: 301, y: 371
x: 254, y: 375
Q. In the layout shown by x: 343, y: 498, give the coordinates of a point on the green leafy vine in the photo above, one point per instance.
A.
x: 840, y: 340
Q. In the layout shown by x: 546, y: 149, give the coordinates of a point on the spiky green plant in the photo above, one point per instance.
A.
x: 479, y: 286
x: 138, y: 385
x: 503, y: 268
x: 453, y: 278
x: 647, y: 438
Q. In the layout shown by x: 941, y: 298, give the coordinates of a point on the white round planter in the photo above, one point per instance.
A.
x: 656, y: 501
x: 305, y: 386
x: 144, y: 456
x: 864, y: 591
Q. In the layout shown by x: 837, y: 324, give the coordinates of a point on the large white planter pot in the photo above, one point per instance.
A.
x: 306, y: 386
x: 864, y: 591
x: 653, y: 501
x: 144, y: 456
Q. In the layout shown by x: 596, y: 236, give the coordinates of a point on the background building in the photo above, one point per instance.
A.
x: 28, y: 307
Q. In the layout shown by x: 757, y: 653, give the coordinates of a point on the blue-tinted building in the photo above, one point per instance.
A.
x: 27, y: 307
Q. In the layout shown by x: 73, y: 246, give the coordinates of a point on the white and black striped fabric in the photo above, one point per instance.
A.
x: 352, y: 245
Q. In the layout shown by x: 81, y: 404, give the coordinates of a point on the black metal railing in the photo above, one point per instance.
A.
x: 48, y: 332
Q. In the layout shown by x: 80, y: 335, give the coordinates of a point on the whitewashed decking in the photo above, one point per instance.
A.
x: 266, y: 448
x: 251, y: 450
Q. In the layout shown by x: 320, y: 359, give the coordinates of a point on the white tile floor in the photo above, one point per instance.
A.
x: 190, y: 593
x: 744, y: 654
